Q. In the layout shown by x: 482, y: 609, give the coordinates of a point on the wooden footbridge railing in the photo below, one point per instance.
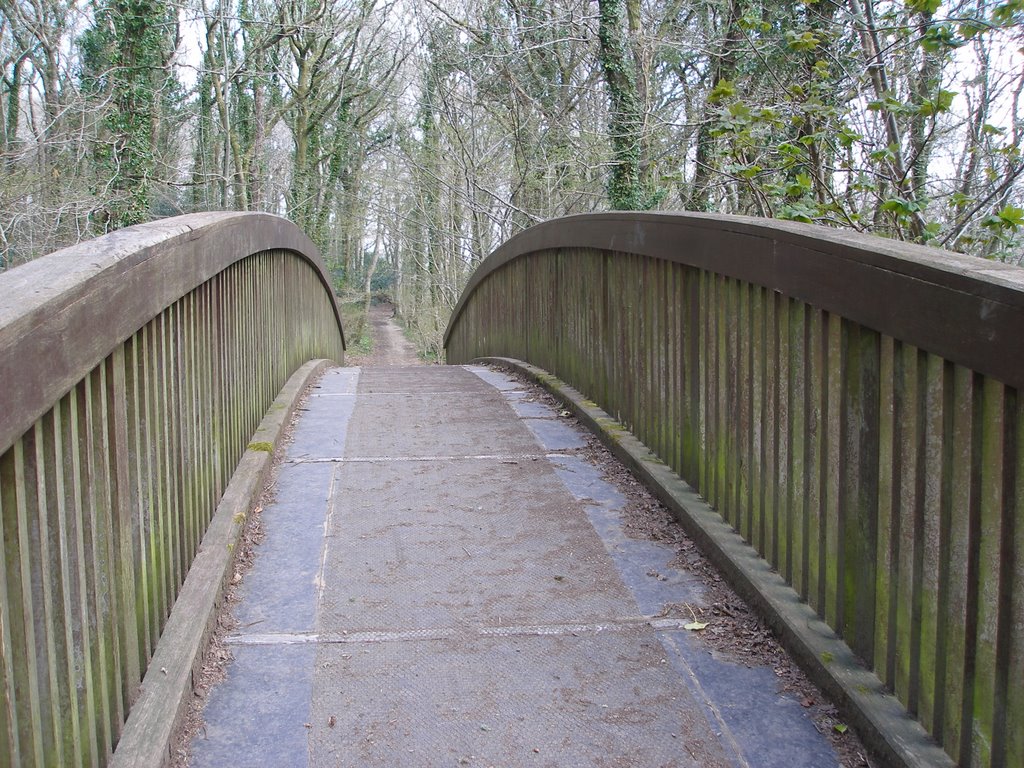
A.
x: 135, y: 369
x: 848, y: 404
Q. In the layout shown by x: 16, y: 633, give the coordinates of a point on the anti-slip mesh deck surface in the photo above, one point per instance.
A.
x: 488, y: 623
x: 590, y: 699
x: 442, y: 585
x: 427, y: 412
x: 464, y: 542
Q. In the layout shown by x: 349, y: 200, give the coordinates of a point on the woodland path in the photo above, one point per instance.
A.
x: 446, y: 579
x: 390, y: 346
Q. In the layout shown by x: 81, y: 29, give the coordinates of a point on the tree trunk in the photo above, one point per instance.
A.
x: 723, y: 69
x: 625, y: 186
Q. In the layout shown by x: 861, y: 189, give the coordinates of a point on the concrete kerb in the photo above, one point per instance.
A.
x: 166, y: 690
x: 885, y: 727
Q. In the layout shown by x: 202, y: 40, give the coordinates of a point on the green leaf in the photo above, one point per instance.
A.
x: 789, y: 149
x: 941, y: 103
x: 802, y: 41
x: 971, y: 28
x: 1007, y: 14
x: 739, y: 111
x: 882, y: 155
x: 924, y: 6
x: 847, y: 137
x: 940, y: 37
x: 960, y: 200
x: 723, y: 90
x: 889, y: 102
x: 797, y: 212
x: 900, y: 206
x: 992, y: 130
x: 1010, y: 218
x: 695, y: 626
x: 840, y: 728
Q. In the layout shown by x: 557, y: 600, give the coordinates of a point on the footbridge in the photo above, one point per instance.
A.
x: 833, y: 418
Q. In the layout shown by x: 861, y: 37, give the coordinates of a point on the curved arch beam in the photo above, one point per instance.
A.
x: 960, y: 307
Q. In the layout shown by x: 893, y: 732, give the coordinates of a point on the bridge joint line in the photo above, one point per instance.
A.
x: 417, y: 395
x: 510, y: 458
x: 614, y: 624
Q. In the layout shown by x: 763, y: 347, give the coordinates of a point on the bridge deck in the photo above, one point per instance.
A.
x: 445, y: 580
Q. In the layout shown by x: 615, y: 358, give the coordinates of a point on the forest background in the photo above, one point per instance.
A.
x: 409, y: 139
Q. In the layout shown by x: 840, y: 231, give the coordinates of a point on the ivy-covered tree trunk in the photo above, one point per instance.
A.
x: 626, y: 190
x: 12, y: 96
x: 126, y: 55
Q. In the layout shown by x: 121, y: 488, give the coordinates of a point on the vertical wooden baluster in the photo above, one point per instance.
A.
x: 17, y: 737
x: 834, y: 458
x: 814, y: 466
x: 886, y: 573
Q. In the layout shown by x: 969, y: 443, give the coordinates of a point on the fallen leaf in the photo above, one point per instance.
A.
x: 840, y: 728
x: 695, y: 626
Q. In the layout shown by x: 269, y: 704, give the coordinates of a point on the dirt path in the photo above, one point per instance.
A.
x: 390, y: 347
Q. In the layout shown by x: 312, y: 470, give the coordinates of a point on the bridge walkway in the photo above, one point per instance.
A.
x: 445, y: 580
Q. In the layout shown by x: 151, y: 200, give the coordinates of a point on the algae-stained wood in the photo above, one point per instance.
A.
x: 665, y: 358
x: 859, y: 481
x: 814, y: 464
x: 690, y: 426
x: 886, y: 571
x: 934, y: 539
x: 959, y: 608
x: 54, y: 581
x: 781, y: 523
x: 796, y: 499
x: 774, y: 371
x: 8, y: 714
x: 992, y: 546
x: 908, y: 511
x: 833, y: 460
x: 704, y: 363
x: 1014, y: 711
x: 759, y: 404
x: 744, y: 421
